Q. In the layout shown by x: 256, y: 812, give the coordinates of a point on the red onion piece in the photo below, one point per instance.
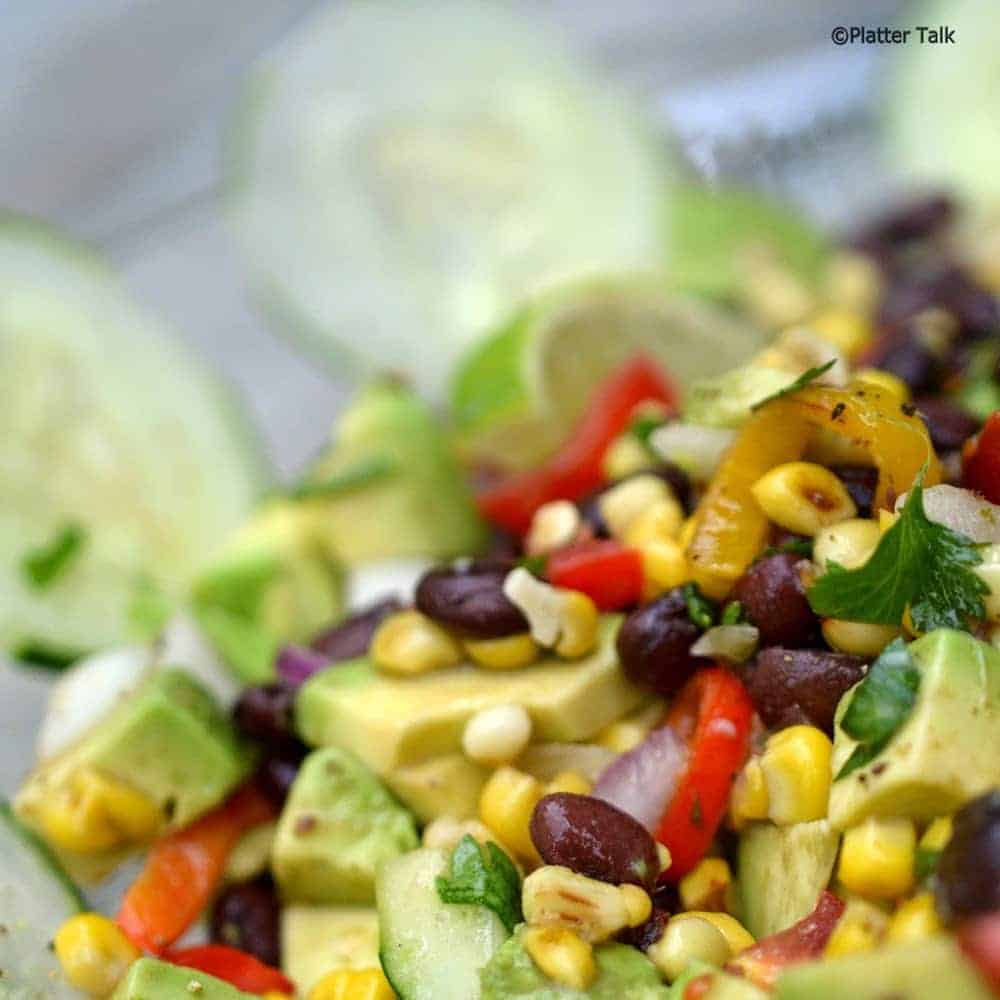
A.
x: 643, y: 781
x: 296, y: 664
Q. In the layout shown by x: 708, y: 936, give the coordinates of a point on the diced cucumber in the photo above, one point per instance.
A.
x: 431, y: 950
x: 36, y: 896
x: 403, y: 172
x: 108, y: 425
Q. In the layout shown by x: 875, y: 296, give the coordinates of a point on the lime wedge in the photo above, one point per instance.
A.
x: 517, y: 394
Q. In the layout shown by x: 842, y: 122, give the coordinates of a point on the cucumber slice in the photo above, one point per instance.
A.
x: 431, y: 950
x: 404, y: 171
x: 109, y: 425
x: 36, y: 896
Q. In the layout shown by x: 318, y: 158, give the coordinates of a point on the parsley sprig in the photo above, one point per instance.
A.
x: 806, y: 378
x: 483, y: 875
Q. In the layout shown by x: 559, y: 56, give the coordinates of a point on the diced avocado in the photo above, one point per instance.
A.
x: 338, y: 824
x: 511, y: 974
x: 933, y: 969
x: 415, y: 501
x: 782, y: 871
x: 151, y: 979
x: 721, y: 985
x: 316, y: 940
x: 274, y: 582
x: 252, y: 854
x: 442, y: 786
x: 725, y: 400
x: 168, y: 740
x: 391, y: 721
x: 946, y: 751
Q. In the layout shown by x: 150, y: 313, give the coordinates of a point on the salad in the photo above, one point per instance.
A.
x: 697, y: 698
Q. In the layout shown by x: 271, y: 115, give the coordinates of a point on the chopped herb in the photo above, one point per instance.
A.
x: 806, y: 378
x: 39, y: 653
x: 795, y: 546
x: 535, y: 565
x: 361, y: 473
x: 732, y: 614
x: 643, y: 426
x: 701, y: 610
x: 483, y: 875
x: 919, y: 564
x: 926, y: 862
x: 881, y: 704
x: 44, y: 565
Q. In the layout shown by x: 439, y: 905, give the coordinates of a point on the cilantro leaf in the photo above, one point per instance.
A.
x: 794, y: 546
x: 806, y: 378
x: 44, y: 565
x: 701, y: 610
x: 642, y: 427
x: 40, y: 653
x: 361, y: 473
x: 732, y: 614
x: 483, y: 875
x: 535, y: 565
x: 881, y: 703
x: 917, y: 563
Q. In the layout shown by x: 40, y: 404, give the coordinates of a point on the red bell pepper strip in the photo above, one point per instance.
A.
x: 239, y: 968
x: 576, y: 470
x: 763, y: 962
x: 979, y: 938
x: 713, y: 714
x: 184, y: 868
x: 981, y: 461
x: 607, y: 572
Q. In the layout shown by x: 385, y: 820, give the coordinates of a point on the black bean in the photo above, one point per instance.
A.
x: 247, y: 916
x: 471, y: 600
x: 265, y: 713
x: 949, y: 425
x: 968, y: 872
x: 352, y: 637
x: 590, y: 513
x: 594, y: 838
x: 278, y: 770
x: 647, y: 934
x: 861, y: 482
x: 915, y: 219
x: 921, y: 369
x: 791, y: 686
x: 654, y: 644
x: 774, y: 599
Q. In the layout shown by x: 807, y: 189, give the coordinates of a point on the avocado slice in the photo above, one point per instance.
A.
x: 151, y: 979
x: 316, y: 940
x: 946, y: 751
x: 623, y: 971
x: 449, y: 785
x: 782, y: 870
x: 338, y: 824
x: 392, y: 721
x: 918, y: 970
x: 405, y: 493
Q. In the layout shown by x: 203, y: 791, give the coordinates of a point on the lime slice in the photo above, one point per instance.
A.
x: 516, y: 396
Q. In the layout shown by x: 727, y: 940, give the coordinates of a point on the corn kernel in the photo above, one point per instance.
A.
x: 554, y: 525
x: 736, y: 935
x: 276, y: 995
x: 664, y: 566
x: 846, y: 329
x: 858, y: 638
x: 749, y: 799
x: 446, y: 832
x: 860, y: 928
x: 686, y: 534
x: 877, y: 856
x: 937, y: 834
x: 853, y: 281
x: 638, y: 904
x: 796, y: 768
x: 408, y: 642
x: 891, y: 385
x: 506, y: 803
x: 626, y: 456
x: 886, y: 519
x: 353, y: 984
x: 849, y: 544
x: 622, y: 504
x: 564, y: 957
x: 915, y: 920
x: 687, y: 939
x: 578, y: 625
x: 509, y: 652
x: 93, y: 953
x: 705, y: 887
x: 803, y: 497
x: 627, y: 733
x: 497, y: 735
x: 662, y: 520
x: 569, y: 781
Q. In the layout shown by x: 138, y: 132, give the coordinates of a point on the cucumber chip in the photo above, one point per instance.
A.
x: 122, y: 460
x: 402, y: 171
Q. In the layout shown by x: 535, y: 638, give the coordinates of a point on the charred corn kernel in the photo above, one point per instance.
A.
x: 664, y: 566
x: 660, y: 521
x: 497, y: 735
x: 748, y: 800
x: 803, y: 497
x: 564, y: 957
x: 688, y: 939
x: 505, y: 805
x: 877, y: 856
x: 915, y: 919
x: 93, y: 953
x: 847, y: 329
x: 408, y: 642
x: 853, y: 281
x: 858, y: 638
x: 569, y: 781
x: 554, y: 525
x: 578, y: 624
x: 509, y: 652
x: 554, y: 896
x: 890, y: 384
x: 96, y: 812
x: 688, y: 528
x: 849, y: 544
x: 796, y: 768
x: 736, y: 935
x: 860, y: 929
x: 626, y: 456
x: 622, y: 504
x: 626, y: 734
x: 886, y: 519
x: 937, y: 834
x: 706, y: 886
x: 353, y: 984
